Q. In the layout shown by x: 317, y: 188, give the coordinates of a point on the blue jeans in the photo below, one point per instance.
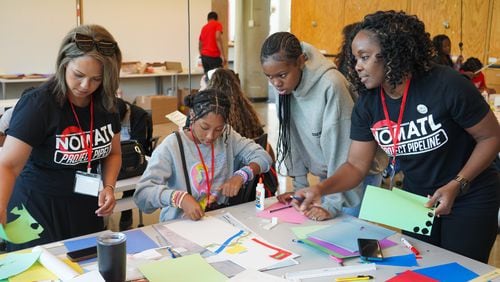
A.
x: 375, y: 180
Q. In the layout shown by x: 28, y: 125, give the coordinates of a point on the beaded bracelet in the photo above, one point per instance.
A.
x: 243, y: 175
x: 248, y: 171
x: 180, y: 200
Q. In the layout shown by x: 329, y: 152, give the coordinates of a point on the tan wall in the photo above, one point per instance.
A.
x: 320, y: 22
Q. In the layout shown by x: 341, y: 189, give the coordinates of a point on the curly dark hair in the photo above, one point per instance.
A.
x: 472, y: 64
x: 405, y: 46
x: 242, y: 117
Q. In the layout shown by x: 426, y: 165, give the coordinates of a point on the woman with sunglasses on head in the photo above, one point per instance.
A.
x: 314, y: 105
x: 433, y: 120
x: 218, y: 162
x: 63, y: 140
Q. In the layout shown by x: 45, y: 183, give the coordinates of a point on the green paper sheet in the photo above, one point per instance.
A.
x: 186, y: 268
x: 16, y: 263
x: 397, y: 208
x: 23, y: 229
x: 303, y: 232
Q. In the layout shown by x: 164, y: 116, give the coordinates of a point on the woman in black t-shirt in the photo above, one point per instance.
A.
x: 447, y: 137
x: 64, y: 135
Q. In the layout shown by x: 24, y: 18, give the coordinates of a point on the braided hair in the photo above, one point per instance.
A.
x: 242, y: 116
x: 282, y: 47
x: 208, y: 101
x: 406, y: 48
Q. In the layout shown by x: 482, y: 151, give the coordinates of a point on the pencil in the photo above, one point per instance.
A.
x: 282, y: 208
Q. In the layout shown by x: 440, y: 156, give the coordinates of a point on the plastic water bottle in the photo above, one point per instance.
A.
x: 260, y: 196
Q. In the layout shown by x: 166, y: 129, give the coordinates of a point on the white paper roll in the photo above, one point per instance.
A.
x: 55, y: 265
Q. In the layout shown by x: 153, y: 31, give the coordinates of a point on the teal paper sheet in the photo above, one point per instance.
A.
x: 397, y: 208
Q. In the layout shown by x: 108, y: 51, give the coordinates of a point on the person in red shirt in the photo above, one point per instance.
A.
x: 472, y: 69
x: 210, y: 44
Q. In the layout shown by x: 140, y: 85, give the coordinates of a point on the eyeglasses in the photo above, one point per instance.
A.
x: 87, y: 43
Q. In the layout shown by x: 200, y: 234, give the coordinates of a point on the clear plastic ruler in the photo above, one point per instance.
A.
x: 330, y: 271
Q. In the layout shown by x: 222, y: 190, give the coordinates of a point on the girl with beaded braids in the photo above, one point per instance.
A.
x: 314, y: 105
x: 218, y: 161
x: 434, y: 121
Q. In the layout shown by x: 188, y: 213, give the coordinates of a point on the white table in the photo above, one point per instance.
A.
x: 282, y: 236
x: 7, y: 103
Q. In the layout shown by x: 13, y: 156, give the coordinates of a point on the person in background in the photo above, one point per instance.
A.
x: 135, y: 126
x: 242, y: 116
x: 210, y: 44
x: 401, y: 88
x: 472, y: 69
x: 314, y: 107
x: 60, y: 131
x: 219, y: 161
x: 4, y: 124
x: 442, y: 46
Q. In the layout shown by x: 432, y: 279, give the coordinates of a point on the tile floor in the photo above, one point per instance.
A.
x: 267, y: 113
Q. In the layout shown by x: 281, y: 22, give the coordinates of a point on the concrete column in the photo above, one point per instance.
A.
x: 252, y: 28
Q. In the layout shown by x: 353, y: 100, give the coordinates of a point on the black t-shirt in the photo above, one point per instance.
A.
x: 433, y: 144
x: 58, y: 147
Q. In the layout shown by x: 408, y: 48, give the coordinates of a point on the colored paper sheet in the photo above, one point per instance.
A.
x: 301, y: 232
x: 450, y: 272
x: 397, y: 208
x: 181, y: 269
x: 345, y: 233
x: 411, y: 276
x: 39, y: 273
x: 384, y: 243
x: 404, y: 260
x: 137, y: 241
x: 21, y: 230
x: 16, y: 263
x: 290, y: 215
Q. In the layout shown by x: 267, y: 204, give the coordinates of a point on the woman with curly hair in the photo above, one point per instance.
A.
x: 433, y: 121
x: 218, y: 162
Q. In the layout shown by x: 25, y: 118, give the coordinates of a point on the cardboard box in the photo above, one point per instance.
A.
x: 163, y: 130
x: 159, y: 106
x: 181, y: 93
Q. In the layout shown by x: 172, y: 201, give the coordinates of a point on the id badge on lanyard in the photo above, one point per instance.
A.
x: 87, y: 183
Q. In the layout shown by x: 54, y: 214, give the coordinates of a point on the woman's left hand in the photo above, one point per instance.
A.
x: 106, y: 202
x: 231, y: 187
x: 444, y: 197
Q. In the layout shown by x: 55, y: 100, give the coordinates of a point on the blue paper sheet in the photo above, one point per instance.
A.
x: 452, y: 272
x: 404, y: 260
x: 345, y: 234
x: 137, y: 241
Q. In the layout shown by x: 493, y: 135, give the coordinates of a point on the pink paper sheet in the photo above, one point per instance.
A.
x: 290, y: 215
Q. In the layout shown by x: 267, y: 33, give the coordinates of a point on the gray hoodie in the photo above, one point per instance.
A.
x: 165, y: 174
x: 320, y: 124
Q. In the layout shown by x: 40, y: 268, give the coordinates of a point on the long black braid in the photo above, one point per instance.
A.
x: 282, y: 46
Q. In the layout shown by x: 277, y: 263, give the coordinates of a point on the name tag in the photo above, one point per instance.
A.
x: 87, y: 183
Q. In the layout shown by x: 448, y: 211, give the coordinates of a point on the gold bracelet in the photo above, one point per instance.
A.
x: 109, y: 185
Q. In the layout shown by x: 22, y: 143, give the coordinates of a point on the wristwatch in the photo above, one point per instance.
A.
x: 464, y: 184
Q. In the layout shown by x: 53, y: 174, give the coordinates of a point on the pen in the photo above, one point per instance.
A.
x: 172, y: 254
x: 338, y: 260
x: 282, y: 208
x: 355, y: 278
x: 410, y: 246
x: 299, y: 199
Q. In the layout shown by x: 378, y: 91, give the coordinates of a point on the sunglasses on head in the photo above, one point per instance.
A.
x: 87, y: 43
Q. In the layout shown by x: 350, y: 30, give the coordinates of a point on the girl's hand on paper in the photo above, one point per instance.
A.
x: 285, y: 198
x: 192, y: 208
x: 317, y: 213
x: 231, y: 187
